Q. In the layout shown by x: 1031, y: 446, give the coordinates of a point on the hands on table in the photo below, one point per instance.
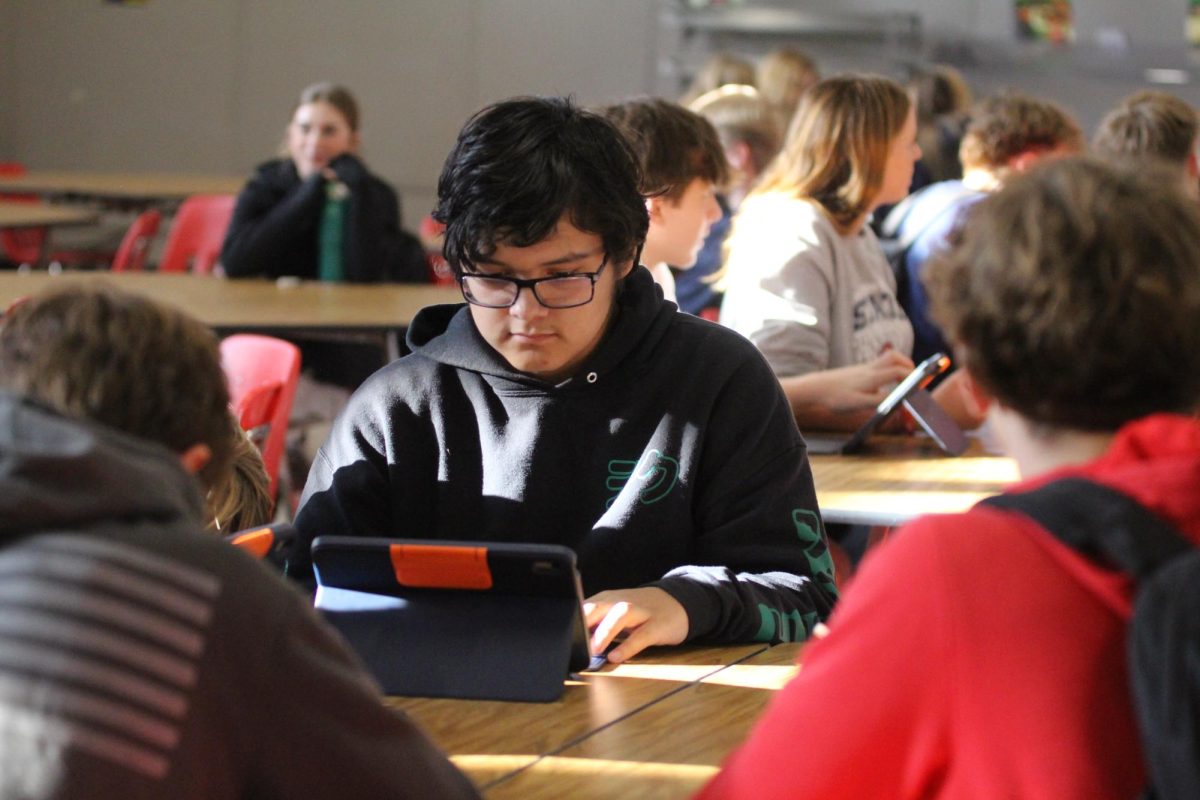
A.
x: 647, y: 616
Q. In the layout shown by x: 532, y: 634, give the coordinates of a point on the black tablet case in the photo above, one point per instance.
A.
x: 517, y: 640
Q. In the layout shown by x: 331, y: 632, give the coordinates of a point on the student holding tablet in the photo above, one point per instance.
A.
x: 805, y: 278
x: 562, y: 404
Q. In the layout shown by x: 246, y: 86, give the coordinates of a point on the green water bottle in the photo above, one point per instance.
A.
x: 332, y: 224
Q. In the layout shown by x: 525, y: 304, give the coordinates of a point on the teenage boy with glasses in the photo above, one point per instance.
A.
x: 568, y: 403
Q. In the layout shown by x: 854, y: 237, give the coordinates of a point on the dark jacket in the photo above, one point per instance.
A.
x: 276, y: 223
x: 671, y: 460
x: 141, y: 658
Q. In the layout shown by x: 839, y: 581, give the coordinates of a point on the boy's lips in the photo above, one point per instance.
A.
x: 531, y: 336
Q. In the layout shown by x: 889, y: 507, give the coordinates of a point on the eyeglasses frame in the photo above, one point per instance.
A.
x: 531, y: 284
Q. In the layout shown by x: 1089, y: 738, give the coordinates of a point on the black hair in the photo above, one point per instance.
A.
x: 522, y: 164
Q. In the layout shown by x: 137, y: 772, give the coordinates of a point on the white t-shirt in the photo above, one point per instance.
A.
x: 809, y: 297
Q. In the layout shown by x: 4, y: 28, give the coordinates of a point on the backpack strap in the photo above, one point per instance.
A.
x: 1164, y: 631
x: 1105, y: 525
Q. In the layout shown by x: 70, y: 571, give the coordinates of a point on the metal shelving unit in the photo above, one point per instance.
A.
x: 689, y: 35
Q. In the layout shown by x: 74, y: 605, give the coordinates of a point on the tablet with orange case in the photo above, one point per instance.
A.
x: 480, y: 620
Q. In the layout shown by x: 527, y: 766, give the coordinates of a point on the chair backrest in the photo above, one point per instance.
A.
x: 131, y: 255
x: 262, y: 372
x: 197, y: 234
x: 21, y: 245
x: 271, y: 543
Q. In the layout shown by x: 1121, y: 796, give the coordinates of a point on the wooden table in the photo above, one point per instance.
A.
x: 39, y: 215
x: 284, y: 307
x: 16, y: 214
x: 492, y: 741
x: 666, y: 749
x: 897, y: 478
x: 123, y: 186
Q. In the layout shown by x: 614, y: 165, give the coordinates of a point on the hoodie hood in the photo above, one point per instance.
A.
x: 57, y: 472
x: 447, y: 334
x: 1154, y: 460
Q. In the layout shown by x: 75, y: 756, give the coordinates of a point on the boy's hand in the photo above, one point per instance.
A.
x: 649, y: 616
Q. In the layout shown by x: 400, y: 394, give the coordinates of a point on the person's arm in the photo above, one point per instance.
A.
x: 869, y: 714
x: 348, y: 490
x: 760, y: 568
x: 791, y: 326
x: 325, y: 731
x: 265, y: 225
x: 376, y: 247
x: 845, y: 397
x: 793, y: 308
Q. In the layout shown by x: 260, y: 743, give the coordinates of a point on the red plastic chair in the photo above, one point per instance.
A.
x: 28, y: 245
x: 271, y: 543
x: 262, y: 372
x: 21, y: 245
x: 430, y: 233
x: 197, y: 233
x: 131, y: 255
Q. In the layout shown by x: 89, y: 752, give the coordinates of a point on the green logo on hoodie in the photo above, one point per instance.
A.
x: 820, y: 563
x: 656, y: 473
x: 792, y: 626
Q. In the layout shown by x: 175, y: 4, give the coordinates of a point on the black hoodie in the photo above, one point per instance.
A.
x: 671, y: 459
x: 141, y: 658
x: 274, y: 230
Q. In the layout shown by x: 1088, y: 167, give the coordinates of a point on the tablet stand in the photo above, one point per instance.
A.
x: 936, y: 422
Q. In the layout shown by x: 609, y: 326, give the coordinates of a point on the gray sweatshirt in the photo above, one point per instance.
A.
x: 809, y: 297
x: 140, y: 658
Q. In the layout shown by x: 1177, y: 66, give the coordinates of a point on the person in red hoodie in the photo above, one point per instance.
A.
x: 975, y: 655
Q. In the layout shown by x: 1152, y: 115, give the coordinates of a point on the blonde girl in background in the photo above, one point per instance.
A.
x: 805, y: 278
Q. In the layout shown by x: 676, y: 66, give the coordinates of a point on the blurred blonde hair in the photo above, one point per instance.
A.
x: 740, y: 114
x: 243, y: 499
x: 837, y: 146
x: 721, y: 69
x: 783, y: 76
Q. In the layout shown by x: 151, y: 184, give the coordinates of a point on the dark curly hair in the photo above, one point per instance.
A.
x: 521, y: 165
x: 1072, y: 295
x: 92, y: 351
x: 1010, y: 123
x: 837, y: 145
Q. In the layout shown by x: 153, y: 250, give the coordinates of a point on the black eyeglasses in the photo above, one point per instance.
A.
x: 555, y: 291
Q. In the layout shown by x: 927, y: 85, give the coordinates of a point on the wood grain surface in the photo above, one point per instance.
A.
x: 667, y: 749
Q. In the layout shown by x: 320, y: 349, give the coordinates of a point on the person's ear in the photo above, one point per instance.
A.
x: 654, y: 206
x: 195, y: 458
x: 1024, y: 160
x: 739, y: 157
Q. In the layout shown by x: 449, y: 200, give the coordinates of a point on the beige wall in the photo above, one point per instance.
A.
x: 186, y: 86
x: 181, y: 85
